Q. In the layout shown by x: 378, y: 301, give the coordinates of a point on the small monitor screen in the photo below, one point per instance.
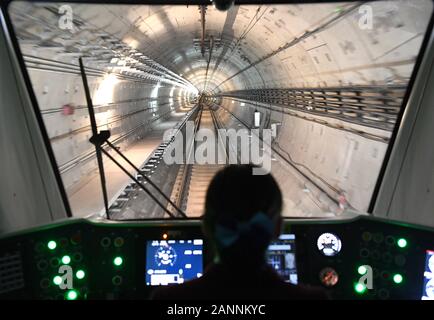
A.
x: 428, y: 276
x: 281, y: 256
x: 173, y: 261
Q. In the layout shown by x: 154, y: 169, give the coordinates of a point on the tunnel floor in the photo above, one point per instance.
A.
x: 85, y: 197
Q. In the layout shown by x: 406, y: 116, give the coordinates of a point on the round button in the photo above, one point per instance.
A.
x: 78, y: 256
x: 383, y: 294
x: 366, y: 236
x: 364, y: 253
x: 329, y: 277
x: 387, y: 257
x: 378, y: 237
x: 400, y: 260
x: 76, y: 239
x: 119, y: 242
x: 105, y: 242
x: 63, y: 242
x: 375, y: 255
x: 390, y: 241
x: 54, y: 262
x: 39, y: 247
x: 44, y: 283
x: 117, y: 280
x: 42, y: 265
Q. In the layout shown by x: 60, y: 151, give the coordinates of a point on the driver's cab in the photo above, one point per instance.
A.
x: 115, y: 117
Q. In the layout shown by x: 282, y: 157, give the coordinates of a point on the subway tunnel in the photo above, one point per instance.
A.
x: 327, y: 82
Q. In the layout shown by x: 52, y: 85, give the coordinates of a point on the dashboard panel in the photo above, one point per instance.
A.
x: 354, y: 257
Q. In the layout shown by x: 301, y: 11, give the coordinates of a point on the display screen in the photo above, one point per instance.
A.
x: 281, y: 256
x: 428, y: 276
x: 173, y: 261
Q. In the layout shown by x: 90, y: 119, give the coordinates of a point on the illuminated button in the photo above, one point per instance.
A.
x: 52, y: 245
x: 71, y: 295
x: 118, y: 261
x: 80, y: 274
x: 402, y: 243
x: 359, y: 288
x: 329, y: 277
x: 362, y: 270
x: 66, y: 259
x: 165, y: 236
x: 397, y: 278
x: 57, y: 280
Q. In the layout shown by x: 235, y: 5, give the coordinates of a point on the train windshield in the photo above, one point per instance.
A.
x: 313, y: 93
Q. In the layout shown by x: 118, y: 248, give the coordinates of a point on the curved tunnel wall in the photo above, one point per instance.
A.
x: 253, y: 47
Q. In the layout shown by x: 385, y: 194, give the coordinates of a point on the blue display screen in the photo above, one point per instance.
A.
x: 281, y: 257
x: 428, y: 277
x: 173, y: 261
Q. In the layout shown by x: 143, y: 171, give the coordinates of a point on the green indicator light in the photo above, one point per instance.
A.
x: 52, y: 245
x: 402, y: 243
x: 66, y: 259
x: 362, y: 270
x: 359, y: 288
x: 80, y: 274
x: 57, y: 280
x: 118, y: 261
x: 71, y: 295
x: 397, y: 278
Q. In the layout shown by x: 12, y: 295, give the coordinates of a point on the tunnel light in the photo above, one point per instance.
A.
x: 359, y: 288
x: 402, y: 242
x: 104, y: 94
x: 397, y: 278
x: 118, y: 261
x: 52, y: 245
x: 257, y: 118
x: 71, y: 295
x: 66, y: 259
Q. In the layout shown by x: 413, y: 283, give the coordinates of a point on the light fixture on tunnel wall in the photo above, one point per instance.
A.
x: 257, y: 118
x: 223, y: 5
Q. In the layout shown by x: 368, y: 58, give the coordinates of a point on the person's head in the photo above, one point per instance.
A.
x: 242, y: 213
